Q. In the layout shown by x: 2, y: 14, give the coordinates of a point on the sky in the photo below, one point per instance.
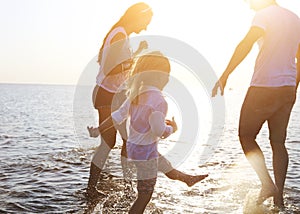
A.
x: 51, y: 41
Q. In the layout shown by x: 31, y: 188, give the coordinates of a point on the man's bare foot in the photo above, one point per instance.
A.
x: 266, y: 192
x: 193, y: 179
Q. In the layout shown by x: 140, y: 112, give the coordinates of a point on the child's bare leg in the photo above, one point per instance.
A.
x: 190, y: 180
x: 145, y: 189
x: 166, y: 167
x: 140, y: 203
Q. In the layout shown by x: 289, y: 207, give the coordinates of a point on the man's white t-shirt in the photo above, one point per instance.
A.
x: 275, y: 64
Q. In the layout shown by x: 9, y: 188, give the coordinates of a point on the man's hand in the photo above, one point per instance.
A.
x: 221, y: 83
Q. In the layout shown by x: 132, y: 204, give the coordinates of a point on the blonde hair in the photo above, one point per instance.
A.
x: 148, y: 70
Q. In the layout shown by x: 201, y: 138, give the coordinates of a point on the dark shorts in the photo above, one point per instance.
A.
x: 103, y: 98
x: 106, y: 102
x: 273, y: 105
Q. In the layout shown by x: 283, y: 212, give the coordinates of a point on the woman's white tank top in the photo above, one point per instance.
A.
x: 114, y: 83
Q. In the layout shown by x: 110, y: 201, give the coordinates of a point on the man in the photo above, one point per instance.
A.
x: 272, y: 91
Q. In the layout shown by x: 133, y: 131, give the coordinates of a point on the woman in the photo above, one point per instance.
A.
x: 114, y: 70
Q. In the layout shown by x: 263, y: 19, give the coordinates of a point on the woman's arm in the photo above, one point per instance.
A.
x: 104, y: 126
x: 116, y: 118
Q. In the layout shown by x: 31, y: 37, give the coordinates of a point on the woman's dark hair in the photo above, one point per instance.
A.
x: 135, y: 12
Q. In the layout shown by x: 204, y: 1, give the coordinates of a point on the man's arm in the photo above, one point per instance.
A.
x: 240, y: 53
x: 298, y: 67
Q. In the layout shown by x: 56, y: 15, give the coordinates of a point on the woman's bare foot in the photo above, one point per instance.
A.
x: 193, y: 179
x: 93, y: 193
x: 266, y: 192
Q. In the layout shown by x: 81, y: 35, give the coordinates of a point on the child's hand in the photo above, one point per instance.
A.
x: 172, y: 123
x: 94, y: 132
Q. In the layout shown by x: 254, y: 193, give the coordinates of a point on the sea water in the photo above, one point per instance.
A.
x: 45, y: 161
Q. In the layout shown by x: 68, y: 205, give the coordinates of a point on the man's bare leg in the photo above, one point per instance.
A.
x: 256, y: 158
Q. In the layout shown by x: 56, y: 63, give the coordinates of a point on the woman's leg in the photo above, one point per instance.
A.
x: 117, y: 101
x: 108, y: 140
x: 127, y: 168
x: 126, y: 165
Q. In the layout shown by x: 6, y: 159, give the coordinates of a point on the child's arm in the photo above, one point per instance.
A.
x: 161, y: 127
x: 172, y: 123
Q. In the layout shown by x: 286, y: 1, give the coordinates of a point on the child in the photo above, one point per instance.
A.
x: 146, y: 108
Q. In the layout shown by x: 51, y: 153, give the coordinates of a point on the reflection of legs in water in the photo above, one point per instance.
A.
x: 165, y: 166
x: 257, y: 161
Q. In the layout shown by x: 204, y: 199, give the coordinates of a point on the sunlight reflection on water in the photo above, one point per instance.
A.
x: 45, y: 169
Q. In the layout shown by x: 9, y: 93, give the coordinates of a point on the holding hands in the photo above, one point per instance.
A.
x: 94, y: 132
